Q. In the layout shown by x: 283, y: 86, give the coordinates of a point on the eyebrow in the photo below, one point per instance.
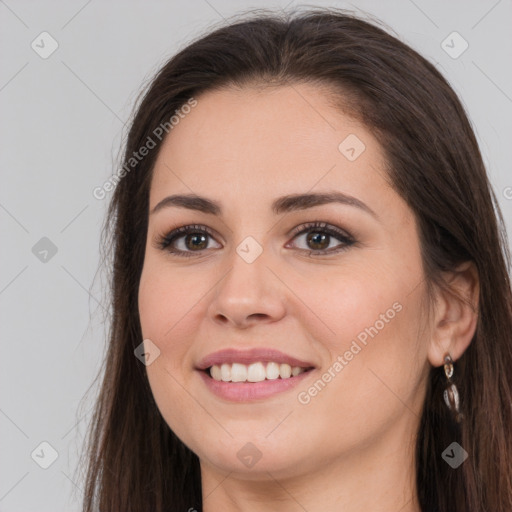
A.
x: 292, y: 202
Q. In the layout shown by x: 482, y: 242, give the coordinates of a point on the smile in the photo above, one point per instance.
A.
x: 246, y: 375
x: 255, y: 372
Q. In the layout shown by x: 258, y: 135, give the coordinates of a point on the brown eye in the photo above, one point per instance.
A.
x: 196, y: 241
x: 186, y: 240
x: 320, y: 235
x: 317, y: 240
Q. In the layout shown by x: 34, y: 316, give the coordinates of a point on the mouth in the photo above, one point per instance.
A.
x: 255, y: 372
x: 252, y: 375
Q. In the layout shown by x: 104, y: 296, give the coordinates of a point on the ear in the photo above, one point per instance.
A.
x: 456, y: 314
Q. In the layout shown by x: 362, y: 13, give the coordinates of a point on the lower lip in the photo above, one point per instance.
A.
x: 247, y: 391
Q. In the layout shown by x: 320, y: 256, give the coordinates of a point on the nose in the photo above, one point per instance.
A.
x: 248, y: 294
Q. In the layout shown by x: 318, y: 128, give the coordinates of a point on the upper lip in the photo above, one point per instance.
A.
x: 232, y: 355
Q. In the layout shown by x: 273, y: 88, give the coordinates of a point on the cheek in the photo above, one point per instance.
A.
x: 160, y: 309
x: 377, y: 359
x: 165, y: 302
x: 161, y: 306
x: 362, y: 300
x: 371, y: 327
x: 170, y: 309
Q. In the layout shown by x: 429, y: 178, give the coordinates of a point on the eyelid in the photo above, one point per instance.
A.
x: 321, y: 225
x: 163, y: 242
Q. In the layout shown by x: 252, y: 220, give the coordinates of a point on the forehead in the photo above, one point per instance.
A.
x: 255, y: 142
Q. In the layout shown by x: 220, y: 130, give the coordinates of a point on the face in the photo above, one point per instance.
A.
x: 336, y: 287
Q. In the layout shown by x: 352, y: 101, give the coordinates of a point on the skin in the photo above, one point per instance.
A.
x: 351, y: 447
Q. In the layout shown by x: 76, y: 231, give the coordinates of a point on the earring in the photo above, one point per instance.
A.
x: 451, y: 394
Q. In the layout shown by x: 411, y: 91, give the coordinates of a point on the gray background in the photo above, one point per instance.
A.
x: 61, y: 126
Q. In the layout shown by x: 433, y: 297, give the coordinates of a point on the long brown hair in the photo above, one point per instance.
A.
x: 134, y: 461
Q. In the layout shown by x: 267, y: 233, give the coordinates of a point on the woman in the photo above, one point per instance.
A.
x: 311, y: 302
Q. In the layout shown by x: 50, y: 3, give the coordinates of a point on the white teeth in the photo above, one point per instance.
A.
x: 296, y: 370
x: 216, y: 372
x: 238, y: 372
x: 285, y: 371
x: 225, y: 371
x: 272, y: 371
x: 255, y: 372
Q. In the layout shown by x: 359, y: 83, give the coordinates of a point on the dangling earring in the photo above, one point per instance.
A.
x: 451, y: 394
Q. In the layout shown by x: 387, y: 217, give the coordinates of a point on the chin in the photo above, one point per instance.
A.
x: 252, y: 459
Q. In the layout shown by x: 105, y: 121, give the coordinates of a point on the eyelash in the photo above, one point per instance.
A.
x: 164, y: 242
